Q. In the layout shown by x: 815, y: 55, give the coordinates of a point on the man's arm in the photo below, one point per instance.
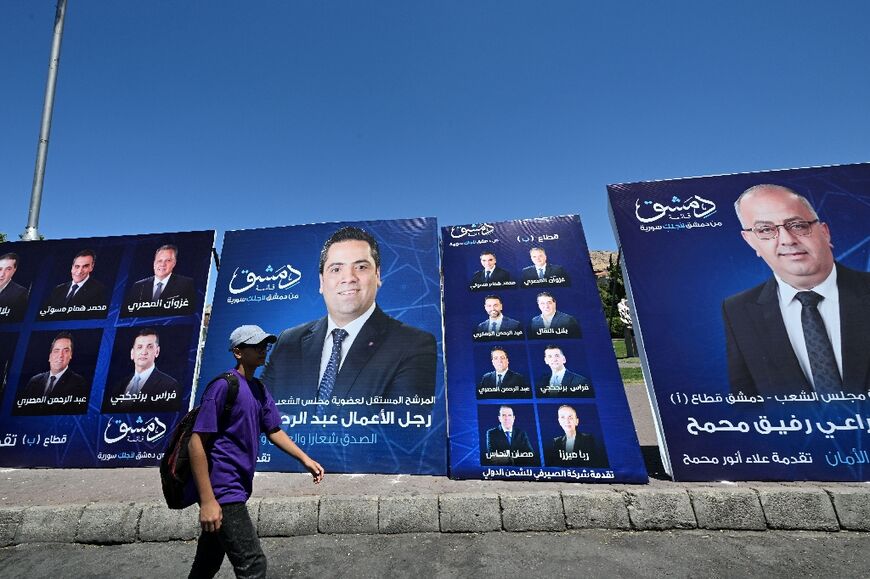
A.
x: 739, y: 376
x: 416, y: 373
x: 210, y: 514
x: 280, y: 439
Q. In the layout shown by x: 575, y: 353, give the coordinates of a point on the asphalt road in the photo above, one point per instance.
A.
x: 611, y: 554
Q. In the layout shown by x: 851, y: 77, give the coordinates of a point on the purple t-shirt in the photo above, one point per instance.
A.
x: 232, y: 452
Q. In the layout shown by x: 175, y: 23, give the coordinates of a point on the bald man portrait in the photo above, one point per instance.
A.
x: 806, y: 328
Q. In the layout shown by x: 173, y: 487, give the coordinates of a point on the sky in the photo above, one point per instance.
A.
x: 177, y: 116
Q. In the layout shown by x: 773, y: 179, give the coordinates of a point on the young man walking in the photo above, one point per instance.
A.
x: 223, y: 455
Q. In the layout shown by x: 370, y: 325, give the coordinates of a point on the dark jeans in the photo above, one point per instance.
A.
x: 238, y: 539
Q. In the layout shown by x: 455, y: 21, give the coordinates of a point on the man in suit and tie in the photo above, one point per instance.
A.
x: 58, y: 391
x: 165, y: 293
x: 502, y: 382
x: 543, y: 273
x: 807, y: 328
x: 560, y: 382
x: 146, y: 389
x: 507, y: 445
x: 356, y: 350
x: 552, y: 323
x: 13, y: 297
x: 490, y: 274
x: 574, y: 448
x: 497, y: 326
x: 83, y: 297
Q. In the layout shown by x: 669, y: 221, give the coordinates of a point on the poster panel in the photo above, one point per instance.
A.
x: 750, y: 383
x: 385, y: 411
x: 98, y: 346
x: 534, y: 389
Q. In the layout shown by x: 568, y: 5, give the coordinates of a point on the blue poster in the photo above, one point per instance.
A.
x: 98, y: 346
x: 535, y: 391
x: 378, y: 407
x: 754, y: 328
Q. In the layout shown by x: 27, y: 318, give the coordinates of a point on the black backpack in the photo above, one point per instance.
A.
x: 175, y: 471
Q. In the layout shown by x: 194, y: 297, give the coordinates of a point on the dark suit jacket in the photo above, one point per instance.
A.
x: 507, y: 325
x: 569, y: 380
x: 157, y: 383
x: 179, y: 287
x: 760, y: 358
x: 498, y: 275
x: 387, y: 359
x: 70, y: 384
x: 511, y: 379
x: 550, y: 270
x: 93, y: 293
x: 584, y: 443
x: 496, y: 441
x: 560, y: 320
x: 13, y: 297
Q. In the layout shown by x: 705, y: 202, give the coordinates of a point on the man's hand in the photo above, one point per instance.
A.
x: 315, y: 469
x: 210, y: 516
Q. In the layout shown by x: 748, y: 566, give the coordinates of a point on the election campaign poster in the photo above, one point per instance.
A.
x: 752, y: 303
x: 357, y: 373
x: 98, y: 346
x: 534, y: 388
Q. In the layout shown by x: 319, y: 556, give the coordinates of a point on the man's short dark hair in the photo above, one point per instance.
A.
x: 505, y: 406
x: 351, y: 234
x: 148, y: 332
x: 12, y: 256
x: 492, y: 297
x: 487, y: 252
x: 545, y: 295
x: 554, y: 347
x: 498, y: 349
x: 167, y: 247
x: 86, y: 253
x: 63, y: 336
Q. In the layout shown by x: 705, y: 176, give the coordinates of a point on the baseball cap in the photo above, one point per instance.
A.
x: 250, y: 335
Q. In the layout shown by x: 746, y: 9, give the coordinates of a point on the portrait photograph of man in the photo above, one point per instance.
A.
x: 505, y: 444
x: 551, y: 323
x: 355, y: 350
x: 807, y: 328
x: 13, y: 297
x: 559, y: 381
x: 497, y: 326
x: 502, y: 382
x: 543, y: 273
x: 146, y: 388
x: 82, y: 297
x: 60, y: 389
x: 490, y: 275
x: 165, y: 293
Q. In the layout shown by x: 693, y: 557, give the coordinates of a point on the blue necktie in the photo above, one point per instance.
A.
x: 826, y: 375
x: 327, y: 383
x: 508, y: 434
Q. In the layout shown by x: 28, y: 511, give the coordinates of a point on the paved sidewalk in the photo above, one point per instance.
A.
x: 125, y: 505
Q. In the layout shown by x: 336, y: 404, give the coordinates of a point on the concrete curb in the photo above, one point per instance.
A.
x: 827, y: 508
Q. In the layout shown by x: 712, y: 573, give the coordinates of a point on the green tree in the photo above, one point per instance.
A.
x: 2, y: 237
x: 611, y: 288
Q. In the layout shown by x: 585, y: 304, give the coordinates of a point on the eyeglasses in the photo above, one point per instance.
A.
x: 797, y: 227
x: 264, y: 347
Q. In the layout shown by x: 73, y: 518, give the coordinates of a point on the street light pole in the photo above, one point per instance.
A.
x: 30, y: 232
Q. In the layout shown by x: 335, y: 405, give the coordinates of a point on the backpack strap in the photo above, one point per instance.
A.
x: 232, y: 392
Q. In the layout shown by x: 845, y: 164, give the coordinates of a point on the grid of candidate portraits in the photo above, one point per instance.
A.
x: 98, y: 346
x: 383, y: 411
x: 534, y: 390
x: 755, y: 329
